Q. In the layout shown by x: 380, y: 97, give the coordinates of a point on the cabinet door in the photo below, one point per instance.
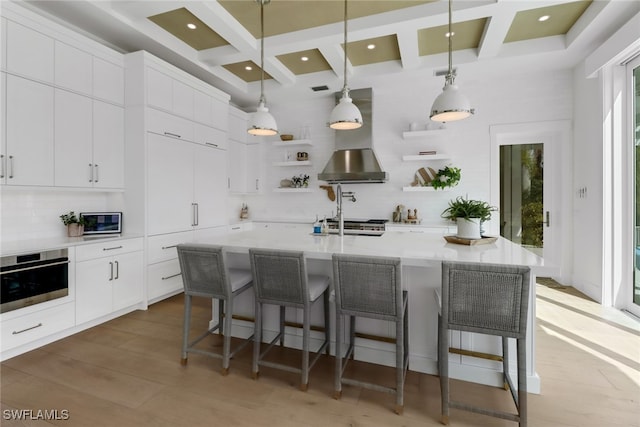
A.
x: 203, y: 108
x: 94, y: 289
x: 29, y: 53
x: 159, y: 90
x: 3, y: 129
x: 210, y: 186
x: 73, y: 68
x: 237, y: 179
x: 254, y: 168
x: 210, y: 136
x: 127, y: 282
x: 163, y: 279
x: 73, y: 164
x: 108, y: 81
x: 182, y: 99
x: 170, y: 184
x: 108, y: 145
x: 29, y: 132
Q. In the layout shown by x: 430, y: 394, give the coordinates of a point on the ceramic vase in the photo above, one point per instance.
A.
x: 75, y: 230
x: 468, y: 228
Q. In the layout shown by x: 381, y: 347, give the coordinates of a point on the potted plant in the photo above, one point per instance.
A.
x: 74, y: 223
x: 449, y: 176
x: 469, y: 216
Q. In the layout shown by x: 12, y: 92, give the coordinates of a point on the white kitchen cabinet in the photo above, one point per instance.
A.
x: 29, y: 138
x: 182, y: 104
x: 3, y: 43
x: 159, y: 89
x: 3, y: 129
x: 254, y: 168
x: 72, y: 68
x: 108, y: 81
x: 89, y: 142
x: 109, y: 277
x: 203, y: 108
x: 72, y: 140
x: 164, y: 279
x: 108, y: 145
x: 237, y: 173
x: 169, y: 125
x: 211, y: 136
x: 186, y: 185
x: 29, y: 53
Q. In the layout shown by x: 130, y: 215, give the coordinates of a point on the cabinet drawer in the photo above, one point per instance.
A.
x: 163, y: 246
x: 30, y: 327
x: 170, y: 125
x: 110, y: 248
x: 163, y: 278
x: 210, y: 136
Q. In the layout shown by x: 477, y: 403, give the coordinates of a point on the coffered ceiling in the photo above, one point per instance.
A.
x: 304, y: 38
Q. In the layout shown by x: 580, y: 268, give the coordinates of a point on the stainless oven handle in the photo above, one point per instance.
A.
x: 27, y: 329
x: 35, y: 267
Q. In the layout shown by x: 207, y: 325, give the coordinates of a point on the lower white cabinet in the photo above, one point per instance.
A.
x: 109, y: 277
x: 40, y: 324
x: 164, y: 279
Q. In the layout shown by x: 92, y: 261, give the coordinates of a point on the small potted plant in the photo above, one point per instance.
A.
x: 469, y: 216
x: 449, y: 176
x: 74, y: 223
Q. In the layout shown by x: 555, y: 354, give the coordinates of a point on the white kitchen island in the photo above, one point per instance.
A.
x: 421, y: 255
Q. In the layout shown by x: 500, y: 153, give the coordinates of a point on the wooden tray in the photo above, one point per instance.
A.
x: 470, y: 242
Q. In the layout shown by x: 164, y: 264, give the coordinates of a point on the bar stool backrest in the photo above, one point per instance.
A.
x: 368, y: 286
x: 203, y: 270
x: 485, y: 298
x: 280, y: 276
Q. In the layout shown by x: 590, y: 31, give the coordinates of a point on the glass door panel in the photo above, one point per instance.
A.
x: 636, y: 142
x: 522, y: 214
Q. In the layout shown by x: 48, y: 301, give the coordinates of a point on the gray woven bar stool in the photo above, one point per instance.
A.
x: 281, y: 279
x: 370, y: 287
x: 487, y: 299
x: 204, y: 274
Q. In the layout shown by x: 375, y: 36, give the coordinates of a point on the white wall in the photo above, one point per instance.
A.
x: 588, y: 174
x: 398, y: 101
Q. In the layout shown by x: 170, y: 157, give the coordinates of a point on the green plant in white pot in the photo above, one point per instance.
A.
x: 469, y: 216
x: 74, y: 223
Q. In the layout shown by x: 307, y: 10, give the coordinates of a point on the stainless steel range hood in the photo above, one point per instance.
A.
x: 354, y: 160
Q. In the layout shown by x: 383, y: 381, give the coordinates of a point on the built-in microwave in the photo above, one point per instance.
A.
x: 102, y: 222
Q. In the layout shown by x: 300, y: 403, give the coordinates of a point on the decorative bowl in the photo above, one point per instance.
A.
x: 286, y: 183
x: 286, y: 137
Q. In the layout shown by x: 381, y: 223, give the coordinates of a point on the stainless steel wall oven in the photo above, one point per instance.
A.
x: 33, y: 278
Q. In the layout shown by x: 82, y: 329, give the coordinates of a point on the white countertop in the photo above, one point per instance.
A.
x: 417, y: 249
x: 37, y: 245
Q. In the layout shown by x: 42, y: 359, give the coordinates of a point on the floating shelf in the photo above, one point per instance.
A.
x: 424, y: 157
x: 293, y: 163
x: 292, y: 142
x: 293, y: 190
x: 423, y: 189
x: 410, y: 134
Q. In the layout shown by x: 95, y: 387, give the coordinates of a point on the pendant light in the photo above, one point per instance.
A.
x: 262, y: 122
x: 345, y: 115
x: 450, y: 105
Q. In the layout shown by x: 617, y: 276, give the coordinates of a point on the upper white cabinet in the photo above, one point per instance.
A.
x: 245, y: 175
x: 182, y: 99
x: 159, y: 89
x: 29, y: 132
x: 108, y: 145
x: 29, y: 52
x: 89, y: 142
x: 73, y: 68
x: 73, y: 152
x: 3, y: 43
x: 208, y: 135
x: 108, y: 81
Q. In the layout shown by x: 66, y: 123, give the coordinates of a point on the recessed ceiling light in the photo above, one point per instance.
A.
x: 191, y: 26
x: 371, y: 46
x: 248, y: 68
x: 543, y: 18
x: 452, y: 33
x: 304, y: 58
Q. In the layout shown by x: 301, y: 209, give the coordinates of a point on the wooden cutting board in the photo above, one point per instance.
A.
x: 470, y: 242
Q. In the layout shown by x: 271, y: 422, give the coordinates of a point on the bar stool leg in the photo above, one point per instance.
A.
x: 257, y: 338
x: 186, y: 326
x: 337, y: 394
x: 306, y: 326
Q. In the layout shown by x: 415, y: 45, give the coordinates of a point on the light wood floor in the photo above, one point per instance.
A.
x: 127, y: 373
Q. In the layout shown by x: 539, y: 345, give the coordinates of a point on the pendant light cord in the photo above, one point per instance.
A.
x: 344, y: 89
x: 450, y: 73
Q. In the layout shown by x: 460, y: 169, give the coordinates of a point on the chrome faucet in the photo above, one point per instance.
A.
x: 349, y: 195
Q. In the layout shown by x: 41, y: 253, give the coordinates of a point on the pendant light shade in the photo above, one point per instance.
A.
x: 262, y: 122
x: 345, y: 115
x: 450, y: 105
